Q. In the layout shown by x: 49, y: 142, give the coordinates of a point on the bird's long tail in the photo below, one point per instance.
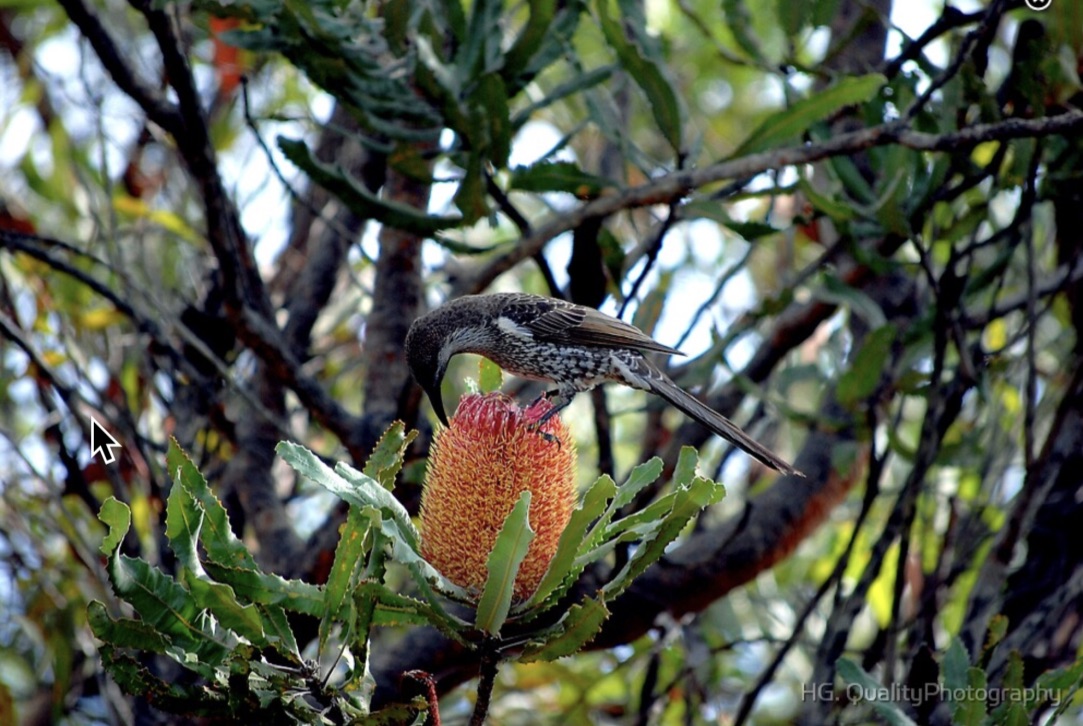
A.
x: 718, y: 423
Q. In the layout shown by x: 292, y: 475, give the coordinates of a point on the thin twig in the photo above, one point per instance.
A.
x: 872, y: 490
x: 157, y: 109
x: 651, y: 257
x: 669, y: 187
x: 296, y: 196
x: 988, y: 24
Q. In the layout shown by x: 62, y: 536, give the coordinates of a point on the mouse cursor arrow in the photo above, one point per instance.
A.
x: 102, y: 442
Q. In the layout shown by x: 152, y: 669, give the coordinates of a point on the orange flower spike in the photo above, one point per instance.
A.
x: 479, y: 466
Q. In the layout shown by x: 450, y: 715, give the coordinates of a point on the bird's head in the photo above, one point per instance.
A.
x: 427, y: 357
x: 457, y: 327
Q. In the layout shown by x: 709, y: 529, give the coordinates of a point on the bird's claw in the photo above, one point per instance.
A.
x: 544, y: 395
x: 537, y: 427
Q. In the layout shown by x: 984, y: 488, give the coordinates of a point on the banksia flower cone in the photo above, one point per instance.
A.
x: 479, y: 466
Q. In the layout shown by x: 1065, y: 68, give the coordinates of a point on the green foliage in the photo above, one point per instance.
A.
x: 222, y: 633
x: 360, y: 199
x: 508, y: 552
x: 441, y: 92
x: 974, y: 697
x: 490, y: 377
x: 640, y: 56
x: 213, y: 621
x: 788, y: 126
x: 890, y: 712
x: 437, y: 66
x: 560, y: 176
x: 860, y: 382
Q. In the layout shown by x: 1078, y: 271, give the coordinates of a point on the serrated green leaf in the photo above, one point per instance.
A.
x: 1060, y: 679
x: 685, y: 471
x: 366, y: 495
x: 558, y: 176
x: 954, y: 666
x: 268, y: 589
x: 647, y: 72
x: 363, y: 608
x: 654, y: 511
x: 492, y: 97
x: 424, y: 576
x: 578, y: 627
x: 215, y: 534
x: 861, y: 379
x: 1012, y: 714
x: 1063, y: 681
x: 118, y: 518
x: 853, y: 673
x: 642, y: 476
x: 490, y: 377
x: 970, y: 709
x: 348, y: 556
x: 363, y: 491
x: 788, y: 125
x: 620, y: 532
x: 162, y: 603
x: 183, y: 519
x: 220, y: 599
x: 687, y: 503
x: 503, y: 565
x: 385, y: 461
x: 562, y: 568
x: 166, y: 606
x: 1013, y: 676
x: 184, y: 522
x: 138, y: 681
x: 279, y: 632
x: 394, y: 609
x: 350, y: 485
x: 124, y: 632
x: 359, y: 199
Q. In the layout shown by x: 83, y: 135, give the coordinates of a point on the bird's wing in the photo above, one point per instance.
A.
x: 563, y: 322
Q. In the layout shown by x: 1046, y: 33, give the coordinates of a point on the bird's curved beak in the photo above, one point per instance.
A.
x: 437, y: 402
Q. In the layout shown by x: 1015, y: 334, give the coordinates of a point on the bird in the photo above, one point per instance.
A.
x: 573, y: 346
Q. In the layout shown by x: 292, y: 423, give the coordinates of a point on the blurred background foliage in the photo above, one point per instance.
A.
x: 218, y: 218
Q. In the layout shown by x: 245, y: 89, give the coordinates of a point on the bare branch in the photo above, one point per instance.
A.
x: 157, y: 108
x: 670, y: 187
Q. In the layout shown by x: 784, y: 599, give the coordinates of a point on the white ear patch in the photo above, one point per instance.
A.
x: 511, y: 327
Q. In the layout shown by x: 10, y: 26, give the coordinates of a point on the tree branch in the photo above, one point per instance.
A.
x: 157, y: 108
x: 670, y: 187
